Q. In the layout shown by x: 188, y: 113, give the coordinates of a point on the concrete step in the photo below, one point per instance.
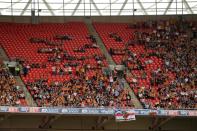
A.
x: 28, y: 97
x: 3, y: 55
x: 100, y: 44
x: 135, y: 100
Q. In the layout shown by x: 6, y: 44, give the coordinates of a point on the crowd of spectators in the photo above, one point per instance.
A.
x: 82, y: 90
x: 173, y: 42
x: 173, y: 85
x: 11, y: 94
x: 87, y: 86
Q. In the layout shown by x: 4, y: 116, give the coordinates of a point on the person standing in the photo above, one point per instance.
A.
x: 17, y: 70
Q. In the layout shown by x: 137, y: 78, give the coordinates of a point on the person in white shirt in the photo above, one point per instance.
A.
x: 111, y: 80
x: 53, y: 70
x: 70, y: 70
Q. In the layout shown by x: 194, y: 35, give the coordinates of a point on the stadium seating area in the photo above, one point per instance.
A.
x: 161, y: 59
x: 10, y: 92
x: 62, y: 64
x: 66, y: 72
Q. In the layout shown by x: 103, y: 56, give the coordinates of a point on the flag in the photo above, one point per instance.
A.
x: 124, y: 115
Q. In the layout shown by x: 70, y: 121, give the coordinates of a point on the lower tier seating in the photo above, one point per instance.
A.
x: 11, y: 94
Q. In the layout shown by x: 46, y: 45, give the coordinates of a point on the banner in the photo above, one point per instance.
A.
x: 125, y: 115
x: 120, y: 114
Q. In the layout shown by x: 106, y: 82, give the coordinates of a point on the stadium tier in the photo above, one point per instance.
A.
x: 161, y: 59
x: 62, y: 64
x: 98, y: 65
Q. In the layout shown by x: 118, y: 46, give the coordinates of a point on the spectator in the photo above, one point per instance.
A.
x: 75, y: 93
x: 17, y: 70
x: 10, y: 93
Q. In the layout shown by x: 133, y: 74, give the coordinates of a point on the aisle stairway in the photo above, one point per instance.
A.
x: 3, y: 55
x: 110, y: 61
x: 29, y: 99
x: 100, y: 44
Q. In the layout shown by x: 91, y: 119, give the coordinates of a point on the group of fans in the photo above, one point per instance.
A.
x: 173, y: 84
x: 98, y: 90
x: 10, y: 93
x: 89, y: 86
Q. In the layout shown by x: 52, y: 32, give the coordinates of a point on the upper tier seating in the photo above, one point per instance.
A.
x: 161, y: 60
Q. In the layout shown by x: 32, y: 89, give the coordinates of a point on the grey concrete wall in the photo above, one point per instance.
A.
x: 32, y: 122
x: 119, y: 19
